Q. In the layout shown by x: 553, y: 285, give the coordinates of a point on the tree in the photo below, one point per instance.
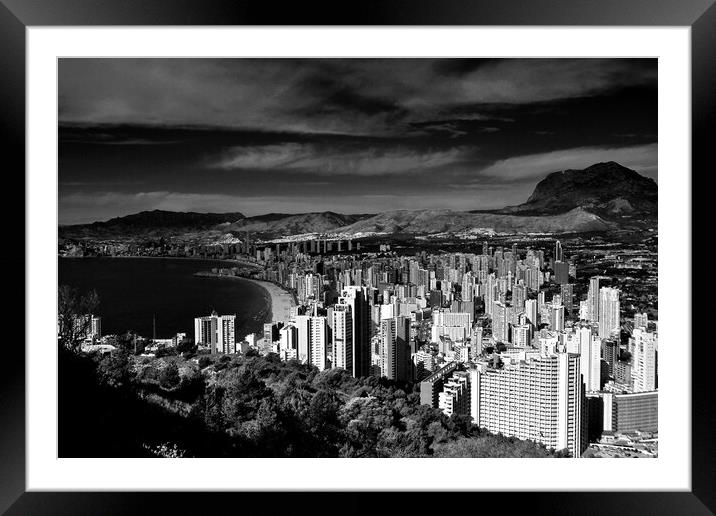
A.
x: 186, y: 345
x: 74, y: 316
x: 169, y: 377
x: 114, y: 370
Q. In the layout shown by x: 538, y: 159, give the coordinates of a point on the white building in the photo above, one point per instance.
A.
x: 455, y: 396
x: 643, y: 345
x: 217, y: 332
x: 541, y: 399
x: 456, y: 325
x: 342, y: 344
x: 312, y: 340
x: 590, y: 352
x: 609, y: 323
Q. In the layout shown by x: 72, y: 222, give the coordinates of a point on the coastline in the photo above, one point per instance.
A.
x: 281, y: 300
x: 235, y: 263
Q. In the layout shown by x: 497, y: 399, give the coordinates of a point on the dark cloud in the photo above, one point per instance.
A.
x: 261, y: 135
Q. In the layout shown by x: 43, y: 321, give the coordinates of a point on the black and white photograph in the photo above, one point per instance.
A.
x: 358, y: 257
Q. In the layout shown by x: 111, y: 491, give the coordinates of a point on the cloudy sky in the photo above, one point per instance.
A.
x: 346, y: 135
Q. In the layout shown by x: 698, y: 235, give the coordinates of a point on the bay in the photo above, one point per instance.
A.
x: 133, y: 290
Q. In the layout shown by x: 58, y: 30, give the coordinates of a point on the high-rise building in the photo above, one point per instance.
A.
x: 630, y: 412
x: 226, y: 338
x: 342, y: 346
x: 521, y: 335
x: 500, y: 322
x: 455, y: 325
x: 90, y: 325
x: 288, y: 342
x: 216, y: 332
x: 432, y: 385
x: 584, y: 308
x: 395, y: 353
x: 455, y: 396
x: 641, y: 320
x: 561, y: 272
x: 312, y: 340
x: 519, y: 295
x: 609, y: 323
x: 557, y: 251
x: 531, y: 312
x: 567, y: 294
x: 643, y: 346
x: 357, y: 299
x: 556, y: 317
x: 541, y: 399
x: 610, y: 354
x: 319, y: 342
x: 593, y: 298
x: 95, y: 326
x: 590, y: 353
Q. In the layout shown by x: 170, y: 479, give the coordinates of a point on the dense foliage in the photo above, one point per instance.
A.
x: 264, y: 407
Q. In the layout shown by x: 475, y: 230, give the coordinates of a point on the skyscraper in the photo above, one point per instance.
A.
x: 395, y: 353
x: 531, y: 312
x: 556, y: 317
x: 643, y: 346
x: 357, y: 299
x: 590, y: 352
x: 226, y: 338
x: 521, y: 335
x: 500, y: 322
x: 216, y: 332
x: 541, y: 399
x: 557, y: 251
x: 593, y: 298
x: 561, y: 272
x: 288, y: 342
x: 519, y: 295
x: 567, y: 294
x: 205, y: 331
x: 455, y: 396
x: 342, y: 337
x: 312, y: 340
x: 609, y: 323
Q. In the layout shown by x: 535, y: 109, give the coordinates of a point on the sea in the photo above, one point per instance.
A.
x: 141, y: 294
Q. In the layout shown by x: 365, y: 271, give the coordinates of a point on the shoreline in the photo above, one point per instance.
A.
x: 235, y: 263
x: 281, y: 299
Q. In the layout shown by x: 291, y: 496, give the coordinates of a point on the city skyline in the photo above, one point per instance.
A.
x: 344, y: 135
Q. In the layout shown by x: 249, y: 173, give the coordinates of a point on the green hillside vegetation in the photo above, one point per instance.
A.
x: 263, y: 407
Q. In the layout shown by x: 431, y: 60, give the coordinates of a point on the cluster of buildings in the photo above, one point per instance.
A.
x: 479, y: 334
x: 476, y: 330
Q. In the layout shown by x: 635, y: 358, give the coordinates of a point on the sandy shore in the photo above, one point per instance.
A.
x: 281, y: 300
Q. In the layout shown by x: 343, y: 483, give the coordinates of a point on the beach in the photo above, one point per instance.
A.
x: 281, y: 300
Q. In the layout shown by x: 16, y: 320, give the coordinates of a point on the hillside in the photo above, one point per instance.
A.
x: 154, y: 223
x: 275, y: 224
x: 601, y: 197
x: 606, y: 189
x: 440, y: 221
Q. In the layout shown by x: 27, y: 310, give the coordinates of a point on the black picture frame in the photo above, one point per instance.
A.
x: 17, y: 15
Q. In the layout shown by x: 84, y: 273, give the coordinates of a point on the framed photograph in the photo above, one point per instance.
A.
x: 407, y: 249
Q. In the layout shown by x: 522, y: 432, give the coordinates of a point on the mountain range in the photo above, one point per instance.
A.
x: 602, y: 197
x: 609, y: 190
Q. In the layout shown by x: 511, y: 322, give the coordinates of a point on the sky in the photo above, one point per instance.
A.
x: 346, y: 135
